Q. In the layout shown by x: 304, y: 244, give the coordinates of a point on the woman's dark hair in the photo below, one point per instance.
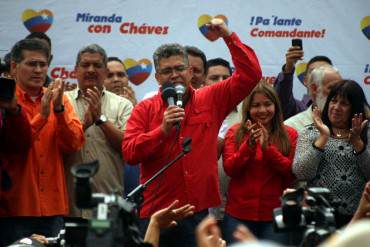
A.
x: 278, y: 133
x: 351, y: 91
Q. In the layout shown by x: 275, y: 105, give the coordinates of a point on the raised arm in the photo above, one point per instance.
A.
x: 284, y: 83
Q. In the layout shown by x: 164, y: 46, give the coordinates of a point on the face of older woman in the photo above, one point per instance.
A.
x: 339, y: 112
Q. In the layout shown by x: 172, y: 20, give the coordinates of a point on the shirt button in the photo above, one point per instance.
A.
x: 41, y: 155
x: 42, y: 189
x: 42, y: 172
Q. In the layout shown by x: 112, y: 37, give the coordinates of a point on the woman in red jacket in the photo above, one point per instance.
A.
x: 258, y: 156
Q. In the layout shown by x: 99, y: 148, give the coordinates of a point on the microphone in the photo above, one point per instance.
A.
x: 168, y: 93
x: 180, y: 90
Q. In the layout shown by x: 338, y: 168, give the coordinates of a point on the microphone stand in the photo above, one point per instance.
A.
x: 136, y: 195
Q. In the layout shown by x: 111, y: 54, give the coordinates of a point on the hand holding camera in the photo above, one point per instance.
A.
x: 294, y: 53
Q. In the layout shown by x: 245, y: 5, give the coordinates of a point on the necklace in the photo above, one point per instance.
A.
x: 340, y: 133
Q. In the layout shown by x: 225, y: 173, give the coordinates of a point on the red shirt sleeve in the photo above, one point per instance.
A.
x: 235, y: 158
x: 16, y: 133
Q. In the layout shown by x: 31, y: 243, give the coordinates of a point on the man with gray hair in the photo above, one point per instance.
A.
x: 152, y: 139
x: 104, y: 115
x: 319, y: 82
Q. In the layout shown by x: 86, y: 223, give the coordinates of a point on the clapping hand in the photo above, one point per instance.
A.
x: 257, y: 133
x: 45, y: 101
x: 93, y: 112
x: 358, y: 124
x: 57, y: 88
x: 317, y: 121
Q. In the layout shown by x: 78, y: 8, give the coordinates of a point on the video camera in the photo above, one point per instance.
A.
x: 310, y: 211
x: 113, y: 221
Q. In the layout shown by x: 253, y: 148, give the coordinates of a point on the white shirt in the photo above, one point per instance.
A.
x: 299, y: 121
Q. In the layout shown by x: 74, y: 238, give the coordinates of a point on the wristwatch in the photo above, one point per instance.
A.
x: 102, y: 119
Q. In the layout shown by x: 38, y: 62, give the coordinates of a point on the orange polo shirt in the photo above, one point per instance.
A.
x: 38, y: 181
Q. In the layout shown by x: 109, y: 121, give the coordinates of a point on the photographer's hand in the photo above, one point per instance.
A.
x: 168, y: 216
x: 363, y: 209
x: 165, y: 218
x: 208, y: 234
x: 40, y: 238
x: 243, y: 234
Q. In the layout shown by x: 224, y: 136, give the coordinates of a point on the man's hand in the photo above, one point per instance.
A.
x: 291, y: 57
x: 129, y: 94
x: 57, y: 88
x: 93, y: 98
x: 208, y: 234
x: 45, y: 101
x: 69, y: 86
x: 172, y: 115
x: 218, y: 28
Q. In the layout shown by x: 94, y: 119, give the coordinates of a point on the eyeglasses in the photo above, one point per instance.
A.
x: 87, y: 65
x: 35, y: 64
x: 168, y: 71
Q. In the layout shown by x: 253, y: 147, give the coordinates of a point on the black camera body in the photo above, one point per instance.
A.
x: 7, y: 88
x: 316, y: 219
x: 113, y: 222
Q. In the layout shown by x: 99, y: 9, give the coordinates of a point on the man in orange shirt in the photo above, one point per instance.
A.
x: 37, y: 198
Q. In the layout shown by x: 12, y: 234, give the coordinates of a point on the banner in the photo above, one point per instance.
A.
x: 132, y: 30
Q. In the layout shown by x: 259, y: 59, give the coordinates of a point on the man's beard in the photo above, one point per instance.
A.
x: 320, y: 99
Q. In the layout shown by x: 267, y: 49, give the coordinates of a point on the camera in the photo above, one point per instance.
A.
x: 113, y: 222
x: 7, y: 88
x: 310, y: 211
x: 297, y: 42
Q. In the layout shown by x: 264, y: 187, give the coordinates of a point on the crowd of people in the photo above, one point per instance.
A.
x: 251, y: 141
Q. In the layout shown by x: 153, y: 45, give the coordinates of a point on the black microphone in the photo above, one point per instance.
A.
x: 168, y: 93
x: 180, y: 90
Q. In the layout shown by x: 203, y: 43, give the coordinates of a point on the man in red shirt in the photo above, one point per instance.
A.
x: 37, y: 198
x: 15, y: 136
x: 152, y: 140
